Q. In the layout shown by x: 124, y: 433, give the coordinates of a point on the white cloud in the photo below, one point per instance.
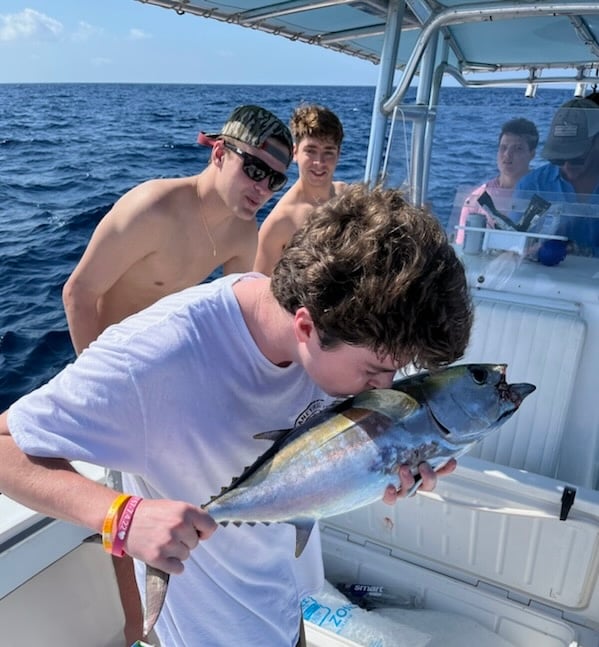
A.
x: 99, y: 61
x: 85, y: 31
x: 138, y: 34
x: 29, y: 24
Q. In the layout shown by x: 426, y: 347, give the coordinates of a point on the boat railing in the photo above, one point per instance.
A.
x: 33, y: 540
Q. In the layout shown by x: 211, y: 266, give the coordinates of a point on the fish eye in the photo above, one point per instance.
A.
x: 479, y: 374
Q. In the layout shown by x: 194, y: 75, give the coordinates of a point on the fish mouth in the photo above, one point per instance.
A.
x: 514, y: 393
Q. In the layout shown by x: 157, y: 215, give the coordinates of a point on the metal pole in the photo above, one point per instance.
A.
x: 378, y: 126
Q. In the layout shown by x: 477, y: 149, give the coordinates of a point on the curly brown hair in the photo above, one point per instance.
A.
x: 312, y: 120
x: 376, y: 272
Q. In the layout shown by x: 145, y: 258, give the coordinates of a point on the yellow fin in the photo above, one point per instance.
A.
x: 391, y: 403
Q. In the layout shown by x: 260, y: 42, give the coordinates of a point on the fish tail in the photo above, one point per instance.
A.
x: 156, y: 587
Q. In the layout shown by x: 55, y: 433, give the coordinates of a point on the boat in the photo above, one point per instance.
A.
x: 510, y: 540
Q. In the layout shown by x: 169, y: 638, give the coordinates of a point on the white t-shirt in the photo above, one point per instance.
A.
x: 172, y: 397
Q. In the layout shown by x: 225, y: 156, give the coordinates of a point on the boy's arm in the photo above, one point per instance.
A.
x: 340, y: 186
x: 280, y: 225
x: 126, y: 234
x: 162, y: 532
x: 243, y: 261
x: 50, y: 485
x: 273, y: 235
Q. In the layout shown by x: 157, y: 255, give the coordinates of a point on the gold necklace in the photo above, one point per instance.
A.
x: 204, y: 219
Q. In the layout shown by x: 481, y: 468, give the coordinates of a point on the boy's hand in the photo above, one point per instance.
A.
x: 428, y: 480
x: 164, y: 532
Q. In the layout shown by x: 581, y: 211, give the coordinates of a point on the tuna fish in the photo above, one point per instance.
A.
x: 344, y: 458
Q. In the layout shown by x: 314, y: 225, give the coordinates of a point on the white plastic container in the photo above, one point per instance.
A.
x: 476, y: 553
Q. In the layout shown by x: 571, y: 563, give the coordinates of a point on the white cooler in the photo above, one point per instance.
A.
x: 486, y: 547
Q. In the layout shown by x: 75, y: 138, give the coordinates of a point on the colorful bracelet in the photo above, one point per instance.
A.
x: 124, y: 524
x: 109, y: 519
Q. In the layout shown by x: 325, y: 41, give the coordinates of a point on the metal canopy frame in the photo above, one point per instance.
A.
x: 478, y: 43
x: 358, y: 27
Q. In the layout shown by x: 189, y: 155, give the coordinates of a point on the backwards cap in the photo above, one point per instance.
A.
x: 572, y: 130
x: 254, y: 125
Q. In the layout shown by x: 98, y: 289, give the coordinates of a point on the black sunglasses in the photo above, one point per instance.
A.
x: 257, y: 170
x: 576, y: 161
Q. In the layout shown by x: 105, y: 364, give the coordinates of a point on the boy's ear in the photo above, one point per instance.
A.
x: 218, y: 152
x: 303, y: 325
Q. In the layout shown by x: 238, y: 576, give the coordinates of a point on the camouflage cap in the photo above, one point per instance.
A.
x: 254, y: 126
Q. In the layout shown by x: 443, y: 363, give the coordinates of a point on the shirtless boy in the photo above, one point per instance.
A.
x: 317, y: 135
x: 168, y: 234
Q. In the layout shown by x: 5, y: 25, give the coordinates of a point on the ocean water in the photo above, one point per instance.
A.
x: 69, y: 151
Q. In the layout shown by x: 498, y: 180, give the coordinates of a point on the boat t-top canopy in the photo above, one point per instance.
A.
x: 481, y: 37
x: 477, y: 43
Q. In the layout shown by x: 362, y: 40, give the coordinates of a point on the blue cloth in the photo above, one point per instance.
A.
x: 548, y: 182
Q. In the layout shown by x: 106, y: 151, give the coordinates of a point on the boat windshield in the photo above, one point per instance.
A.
x: 474, y: 157
x: 525, y: 222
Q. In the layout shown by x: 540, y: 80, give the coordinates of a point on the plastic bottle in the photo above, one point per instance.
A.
x: 331, y: 610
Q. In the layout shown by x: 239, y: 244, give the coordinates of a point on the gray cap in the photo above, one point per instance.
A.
x: 572, y: 130
x: 254, y: 126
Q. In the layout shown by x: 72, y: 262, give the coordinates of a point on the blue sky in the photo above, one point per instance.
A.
x: 127, y: 41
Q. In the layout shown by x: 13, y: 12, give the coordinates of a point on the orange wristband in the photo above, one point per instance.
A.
x: 109, y: 521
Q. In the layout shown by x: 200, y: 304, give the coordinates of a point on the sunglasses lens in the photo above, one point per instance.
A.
x: 576, y: 161
x: 257, y: 170
x: 254, y: 171
x: 276, y: 181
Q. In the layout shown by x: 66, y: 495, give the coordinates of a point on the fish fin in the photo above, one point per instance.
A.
x: 281, y: 438
x: 278, y: 436
x: 327, y: 424
x: 156, y: 587
x: 284, y: 437
x: 224, y: 489
x: 392, y: 403
x: 417, y: 483
x: 303, y: 530
x: 226, y: 522
x: 274, y: 435
x: 436, y: 463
